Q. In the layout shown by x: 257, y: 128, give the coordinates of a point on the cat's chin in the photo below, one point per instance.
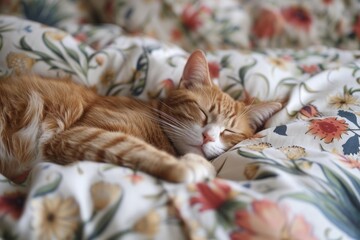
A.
x: 205, y: 151
x: 197, y: 150
x: 211, y: 151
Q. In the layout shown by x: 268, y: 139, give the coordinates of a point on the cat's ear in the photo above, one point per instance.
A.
x: 196, y: 71
x: 259, y: 113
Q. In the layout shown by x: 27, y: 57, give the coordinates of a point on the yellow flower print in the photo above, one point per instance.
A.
x: 293, y: 152
x: 55, y: 35
x: 278, y: 62
x: 19, y: 62
x: 343, y: 101
x: 99, y: 60
x: 251, y: 171
x: 259, y: 147
x: 107, y: 77
x: 104, y: 194
x: 149, y: 224
x: 55, y: 218
x: 296, y: 153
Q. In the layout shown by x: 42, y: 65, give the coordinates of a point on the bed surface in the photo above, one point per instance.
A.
x: 298, y: 179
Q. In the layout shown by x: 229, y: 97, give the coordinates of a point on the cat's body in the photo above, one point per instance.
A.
x: 62, y: 122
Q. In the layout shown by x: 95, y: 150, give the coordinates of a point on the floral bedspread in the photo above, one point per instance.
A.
x: 298, y: 179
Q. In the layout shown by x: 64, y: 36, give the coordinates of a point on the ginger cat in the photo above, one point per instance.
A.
x: 62, y: 122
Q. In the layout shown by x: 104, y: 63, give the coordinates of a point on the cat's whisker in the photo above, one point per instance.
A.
x: 170, y: 122
x: 172, y: 128
x: 165, y: 115
x: 180, y: 138
x: 179, y: 132
x: 175, y: 135
x: 248, y: 109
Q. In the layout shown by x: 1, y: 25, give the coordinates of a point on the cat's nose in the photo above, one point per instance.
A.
x: 207, y: 138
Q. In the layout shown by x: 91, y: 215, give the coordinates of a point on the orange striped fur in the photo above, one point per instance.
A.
x: 62, y: 122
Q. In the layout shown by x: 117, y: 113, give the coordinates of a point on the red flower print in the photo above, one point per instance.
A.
x: 309, y: 111
x: 135, y: 178
x: 350, y: 161
x: 356, y: 27
x: 191, y: 16
x: 328, y: 129
x: 267, y: 24
x: 176, y: 34
x: 310, y: 69
x: 267, y: 220
x: 212, y: 196
x: 327, y: 2
x: 297, y: 16
x: 214, y: 69
x: 287, y: 58
x: 83, y: 20
x: 12, y: 203
x: 21, y: 178
x: 81, y: 37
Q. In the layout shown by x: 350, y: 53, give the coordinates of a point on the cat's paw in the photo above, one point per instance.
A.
x: 197, y: 168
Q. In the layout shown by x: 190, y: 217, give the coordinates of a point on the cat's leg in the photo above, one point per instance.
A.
x: 86, y: 143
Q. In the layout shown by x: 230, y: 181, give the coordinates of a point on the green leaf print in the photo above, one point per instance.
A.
x: 266, y: 80
x: 346, y: 193
x: 224, y: 62
x: 243, y: 70
x: 105, y: 220
x: 337, y: 200
x: 73, y: 54
x: 250, y: 154
x: 140, y: 74
x: 24, y: 45
x: 52, y: 47
x: 50, y: 187
x: 307, y: 88
x: 171, y: 60
x: 4, y: 28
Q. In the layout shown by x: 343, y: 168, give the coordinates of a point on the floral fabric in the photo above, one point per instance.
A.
x: 252, y: 24
x: 298, y: 179
x: 209, y: 24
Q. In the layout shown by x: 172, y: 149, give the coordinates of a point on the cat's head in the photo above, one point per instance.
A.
x: 199, y: 118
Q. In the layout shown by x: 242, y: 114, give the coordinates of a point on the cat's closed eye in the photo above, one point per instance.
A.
x: 228, y: 132
x: 204, y: 117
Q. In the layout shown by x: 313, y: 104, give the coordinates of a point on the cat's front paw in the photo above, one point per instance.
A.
x: 198, y: 168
